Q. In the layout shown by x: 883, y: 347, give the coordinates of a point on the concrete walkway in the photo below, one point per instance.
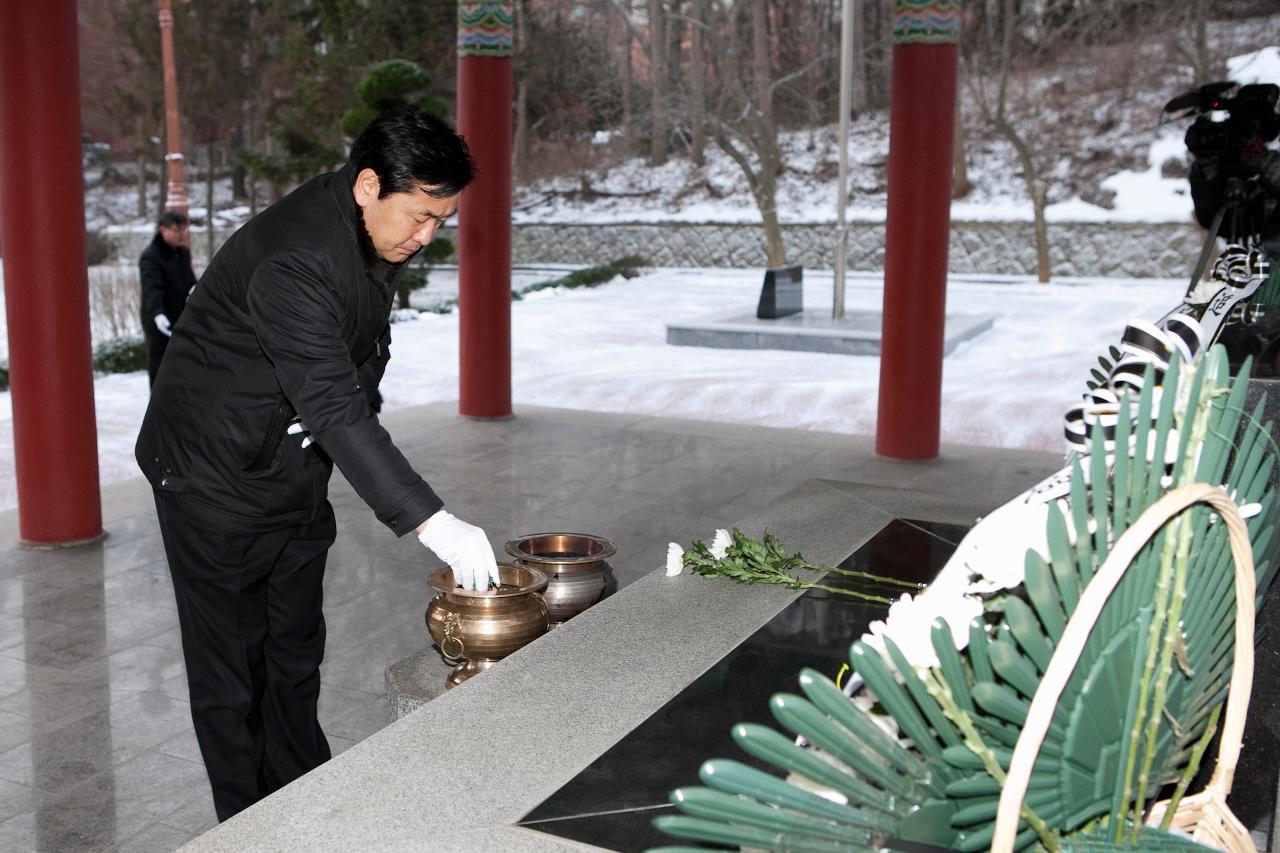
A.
x: 96, y: 746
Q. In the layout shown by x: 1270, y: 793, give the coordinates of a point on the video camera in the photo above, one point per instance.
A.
x: 1250, y: 122
x: 1234, y: 177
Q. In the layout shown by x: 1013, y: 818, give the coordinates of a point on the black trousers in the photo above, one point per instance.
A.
x: 156, y: 345
x: 249, y: 609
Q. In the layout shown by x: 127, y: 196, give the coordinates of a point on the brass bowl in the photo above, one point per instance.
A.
x: 577, y: 568
x: 482, y: 627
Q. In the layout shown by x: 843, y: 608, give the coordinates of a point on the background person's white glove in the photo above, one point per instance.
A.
x: 296, y: 427
x: 464, y: 547
x: 162, y: 323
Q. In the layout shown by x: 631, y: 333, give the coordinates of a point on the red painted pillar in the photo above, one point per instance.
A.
x: 176, y: 195
x: 45, y: 280
x: 484, y: 214
x: 921, y: 125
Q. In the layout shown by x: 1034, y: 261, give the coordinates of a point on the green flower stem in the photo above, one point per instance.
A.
x: 939, y: 690
x: 1193, y: 767
x: 853, y: 573
x: 764, y: 560
x: 861, y: 596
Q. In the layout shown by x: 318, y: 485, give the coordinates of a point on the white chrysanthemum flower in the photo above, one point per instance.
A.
x: 995, y: 550
x: 910, y: 624
x: 675, y: 559
x: 1203, y: 292
x: 720, y: 544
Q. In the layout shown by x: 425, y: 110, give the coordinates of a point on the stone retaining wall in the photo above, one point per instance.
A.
x: 1076, y: 249
x: 1006, y: 248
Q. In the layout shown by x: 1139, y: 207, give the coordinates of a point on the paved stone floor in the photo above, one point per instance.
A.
x: 96, y: 745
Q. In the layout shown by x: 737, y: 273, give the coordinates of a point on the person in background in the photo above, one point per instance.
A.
x: 167, y: 279
x: 268, y: 383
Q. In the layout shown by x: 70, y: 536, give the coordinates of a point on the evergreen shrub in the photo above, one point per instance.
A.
x: 121, y: 355
x: 627, y: 267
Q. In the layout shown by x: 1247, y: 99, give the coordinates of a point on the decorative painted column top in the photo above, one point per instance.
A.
x: 924, y: 21
x: 484, y: 29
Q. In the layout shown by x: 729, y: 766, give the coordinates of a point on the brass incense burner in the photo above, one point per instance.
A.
x: 480, y: 628
x: 575, y: 564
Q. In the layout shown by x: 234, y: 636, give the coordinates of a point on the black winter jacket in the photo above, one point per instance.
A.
x: 166, y: 280
x: 289, y: 320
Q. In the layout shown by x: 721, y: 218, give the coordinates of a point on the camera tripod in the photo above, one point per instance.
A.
x: 1240, y: 213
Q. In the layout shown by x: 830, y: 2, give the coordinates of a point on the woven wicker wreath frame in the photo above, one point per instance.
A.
x: 1204, y: 816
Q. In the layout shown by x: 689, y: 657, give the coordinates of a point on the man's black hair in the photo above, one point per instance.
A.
x: 410, y: 148
x: 172, y: 219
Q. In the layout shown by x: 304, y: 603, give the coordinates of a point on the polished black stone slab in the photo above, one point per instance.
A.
x: 782, y: 294
x: 612, y: 802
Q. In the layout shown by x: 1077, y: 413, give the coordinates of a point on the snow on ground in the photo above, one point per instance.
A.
x: 604, y: 349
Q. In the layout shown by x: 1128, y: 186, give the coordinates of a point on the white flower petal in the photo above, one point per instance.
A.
x: 675, y: 559
x: 995, y: 550
x: 720, y: 544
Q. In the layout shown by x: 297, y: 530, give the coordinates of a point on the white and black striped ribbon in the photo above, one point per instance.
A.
x: 1186, y: 330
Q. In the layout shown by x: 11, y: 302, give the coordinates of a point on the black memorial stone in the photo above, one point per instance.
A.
x: 782, y: 294
x: 612, y: 803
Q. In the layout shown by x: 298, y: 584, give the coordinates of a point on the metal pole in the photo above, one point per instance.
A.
x: 484, y: 214
x: 842, y: 182
x: 176, y: 196
x: 55, y: 441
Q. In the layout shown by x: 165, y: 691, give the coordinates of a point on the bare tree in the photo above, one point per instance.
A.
x: 520, y: 144
x: 628, y: 117
x: 995, y: 110
x: 750, y: 137
x: 1190, y: 40
x: 698, y: 81
x: 661, y: 121
x: 960, y: 184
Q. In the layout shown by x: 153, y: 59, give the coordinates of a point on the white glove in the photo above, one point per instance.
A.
x: 296, y: 427
x: 162, y: 323
x: 464, y: 547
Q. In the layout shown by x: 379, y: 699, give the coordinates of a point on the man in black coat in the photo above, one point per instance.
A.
x: 167, y: 278
x: 267, y: 384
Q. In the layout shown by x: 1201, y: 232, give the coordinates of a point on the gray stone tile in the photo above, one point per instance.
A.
x: 94, y: 635
x: 140, y: 668
x: 14, y: 800
x: 183, y: 745
x: 132, y: 798
x: 360, y: 666
x: 57, y: 759
x: 132, y: 587
x: 15, y: 729
x: 197, y: 815
x: 49, y: 707
x: 21, y: 832
x: 18, y: 630
x: 339, y: 745
x: 155, y: 838
x: 352, y: 715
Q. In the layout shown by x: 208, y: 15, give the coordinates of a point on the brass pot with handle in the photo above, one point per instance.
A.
x: 481, y: 627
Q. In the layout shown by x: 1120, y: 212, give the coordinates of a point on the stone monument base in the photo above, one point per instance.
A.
x: 810, y: 331
x: 415, y: 681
